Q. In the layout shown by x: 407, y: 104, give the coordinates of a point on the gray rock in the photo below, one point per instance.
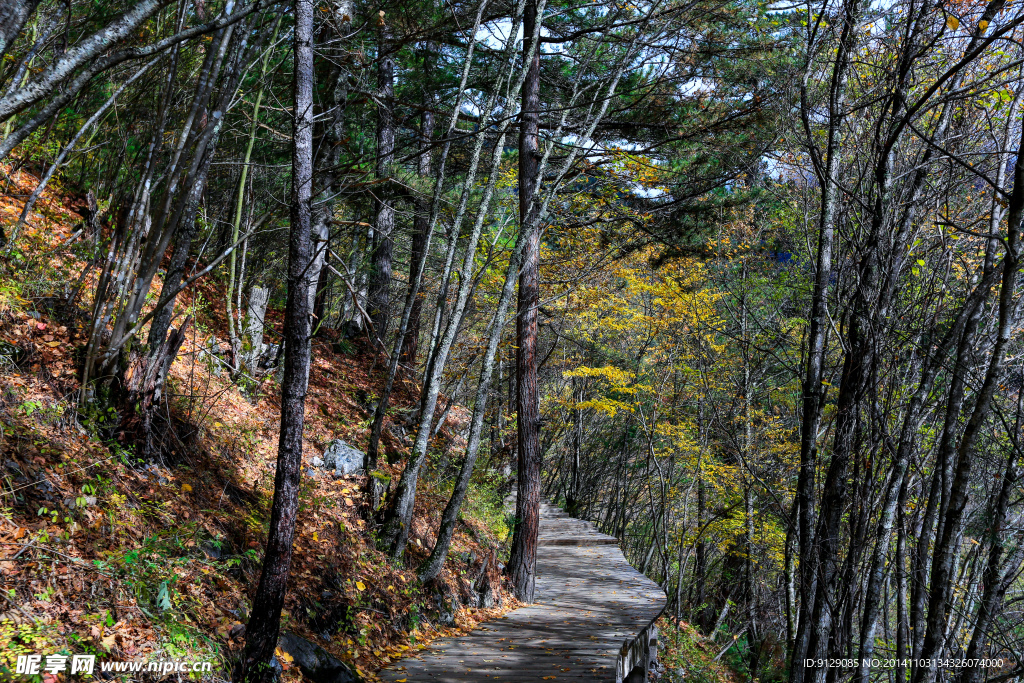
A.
x: 316, y: 663
x: 317, y: 462
x: 216, y: 548
x: 343, y: 458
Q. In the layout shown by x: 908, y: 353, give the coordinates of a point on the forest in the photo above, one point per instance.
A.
x: 738, y: 281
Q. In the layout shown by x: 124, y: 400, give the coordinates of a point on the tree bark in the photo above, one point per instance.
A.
x: 523, y: 559
x: 264, y: 623
x: 14, y: 14
x: 379, y: 296
x: 410, y: 344
x: 254, y: 324
x: 90, y: 48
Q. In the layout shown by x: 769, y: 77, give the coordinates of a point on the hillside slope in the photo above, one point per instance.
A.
x: 102, y: 553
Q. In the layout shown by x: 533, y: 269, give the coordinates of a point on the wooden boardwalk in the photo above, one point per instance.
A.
x: 589, y: 601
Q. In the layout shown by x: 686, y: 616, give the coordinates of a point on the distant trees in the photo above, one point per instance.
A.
x: 805, y: 463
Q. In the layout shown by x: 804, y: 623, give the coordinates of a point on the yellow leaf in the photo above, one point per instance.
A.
x: 982, y: 25
x: 315, y: 537
x: 55, y: 344
x: 360, y: 585
x: 284, y: 655
x: 401, y: 680
x: 185, y: 488
x: 952, y: 22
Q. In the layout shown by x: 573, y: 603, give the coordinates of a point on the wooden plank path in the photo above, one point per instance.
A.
x: 588, y: 601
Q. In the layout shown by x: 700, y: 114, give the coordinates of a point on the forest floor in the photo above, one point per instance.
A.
x: 103, y: 554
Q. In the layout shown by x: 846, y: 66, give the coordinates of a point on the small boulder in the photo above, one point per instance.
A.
x: 317, y: 462
x: 215, y: 548
x: 316, y: 663
x: 343, y: 458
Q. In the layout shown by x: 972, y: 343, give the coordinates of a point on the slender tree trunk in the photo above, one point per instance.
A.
x: 813, y: 387
x: 379, y: 296
x: 449, y: 518
x: 236, y: 346
x: 264, y: 623
x: 410, y: 344
x: 398, y: 516
x: 943, y: 564
x: 523, y: 559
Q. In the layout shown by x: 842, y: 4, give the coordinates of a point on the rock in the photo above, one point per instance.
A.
x: 317, y: 462
x: 316, y: 663
x: 446, y: 608
x: 215, y: 548
x: 343, y: 458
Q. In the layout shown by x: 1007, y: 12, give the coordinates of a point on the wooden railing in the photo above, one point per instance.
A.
x: 637, y: 655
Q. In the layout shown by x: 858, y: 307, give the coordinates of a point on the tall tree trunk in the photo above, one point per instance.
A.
x: 944, y: 559
x: 398, y: 516
x: 813, y: 387
x: 264, y: 623
x: 523, y: 558
x: 420, y: 225
x: 379, y: 296
x: 449, y: 518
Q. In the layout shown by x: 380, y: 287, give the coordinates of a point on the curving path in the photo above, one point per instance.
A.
x: 589, y: 601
